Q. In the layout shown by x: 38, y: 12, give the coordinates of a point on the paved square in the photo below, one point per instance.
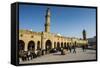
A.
x: 57, y: 57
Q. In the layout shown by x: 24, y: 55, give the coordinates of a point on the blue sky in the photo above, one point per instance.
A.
x: 67, y: 21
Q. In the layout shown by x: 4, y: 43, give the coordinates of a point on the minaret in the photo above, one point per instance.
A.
x: 84, y: 35
x: 47, y: 20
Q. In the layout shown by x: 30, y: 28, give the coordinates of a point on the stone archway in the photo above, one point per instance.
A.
x: 58, y: 45
x: 38, y: 45
x: 31, y: 45
x: 21, y: 45
x: 68, y: 45
x: 55, y: 45
x: 75, y: 43
x: 48, y: 46
x: 65, y: 45
x: 62, y: 44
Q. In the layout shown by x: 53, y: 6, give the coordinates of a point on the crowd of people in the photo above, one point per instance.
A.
x: 29, y: 55
x: 72, y: 49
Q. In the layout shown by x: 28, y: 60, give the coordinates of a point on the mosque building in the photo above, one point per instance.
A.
x: 30, y: 40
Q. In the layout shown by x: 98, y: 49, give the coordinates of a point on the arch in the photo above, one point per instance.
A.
x: 58, y: 45
x: 75, y: 43
x: 54, y: 44
x: 38, y: 45
x: 21, y: 45
x: 68, y: 44
x: 65, y: 45
x: 62, y: 44
x: 48, y: 45
x: 31, y: 45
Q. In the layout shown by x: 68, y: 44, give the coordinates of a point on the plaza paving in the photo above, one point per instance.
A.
x: 56, y: 57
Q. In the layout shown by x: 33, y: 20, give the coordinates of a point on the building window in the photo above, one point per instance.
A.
x: 32, y: 36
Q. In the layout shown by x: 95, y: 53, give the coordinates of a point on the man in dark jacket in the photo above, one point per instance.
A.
x: 74, y: 49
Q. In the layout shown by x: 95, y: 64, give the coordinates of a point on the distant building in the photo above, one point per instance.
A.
x: 29, y: 40
x: 92, y: 42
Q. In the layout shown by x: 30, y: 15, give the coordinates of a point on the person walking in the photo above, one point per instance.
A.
x: 70, y: 49
x: 83, y: 48
x: 74, y: 49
